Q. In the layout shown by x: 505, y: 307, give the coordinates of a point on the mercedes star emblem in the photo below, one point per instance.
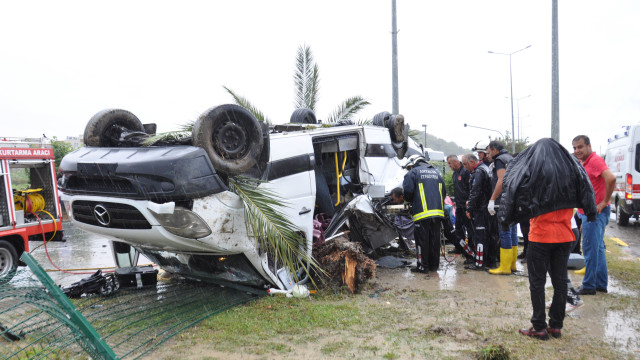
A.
x: 102, y: 215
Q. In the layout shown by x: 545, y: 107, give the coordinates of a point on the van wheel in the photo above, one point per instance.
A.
x: 622, y: 218
x: 8, y: 261
x: 107, y: 127
x: 380, y: 119
x: 231, y: 136
x: 303, y: 116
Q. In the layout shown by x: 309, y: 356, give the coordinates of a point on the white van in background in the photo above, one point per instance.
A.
x: 623, y: 158
x: 435, y: 155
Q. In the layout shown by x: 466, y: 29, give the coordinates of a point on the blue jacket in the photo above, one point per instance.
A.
x: 424, y: 188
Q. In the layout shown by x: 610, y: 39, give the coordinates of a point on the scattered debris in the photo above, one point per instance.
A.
x: 392, y: 262
x: 95, y: 284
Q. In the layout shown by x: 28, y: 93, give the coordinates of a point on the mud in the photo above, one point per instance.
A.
x: 473, y: 309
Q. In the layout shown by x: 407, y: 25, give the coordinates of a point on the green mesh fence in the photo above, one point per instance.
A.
x: 36, y: 323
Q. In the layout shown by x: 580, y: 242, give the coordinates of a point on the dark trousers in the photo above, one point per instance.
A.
x: 493, y: 242
x: 427, y: 234
x: 552, y: 257
x: 480, y: 223
x: 463, y: 226
x: 524, y: 228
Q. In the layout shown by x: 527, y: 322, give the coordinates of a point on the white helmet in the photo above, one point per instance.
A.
x: 414, y: 160
x: 481, y: 146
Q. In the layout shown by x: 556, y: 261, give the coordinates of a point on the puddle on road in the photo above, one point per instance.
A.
x: 81, y: 250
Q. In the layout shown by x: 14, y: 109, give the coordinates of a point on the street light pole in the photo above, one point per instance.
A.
x: 513, y: 143
x: 425, y: 136
x: 518, y: 106
x: 395, y: 101
x: 478, y: 127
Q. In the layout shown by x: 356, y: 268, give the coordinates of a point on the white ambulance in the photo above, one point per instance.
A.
x: 623, y: 158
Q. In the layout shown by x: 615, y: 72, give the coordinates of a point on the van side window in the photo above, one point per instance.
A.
x: 637, y: 157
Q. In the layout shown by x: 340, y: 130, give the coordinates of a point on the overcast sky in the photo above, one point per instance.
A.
x: 63, y: 61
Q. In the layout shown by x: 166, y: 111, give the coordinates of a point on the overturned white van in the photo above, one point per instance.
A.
x: 172, y: 202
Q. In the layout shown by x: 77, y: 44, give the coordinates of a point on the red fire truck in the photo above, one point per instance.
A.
x: 29, y: 204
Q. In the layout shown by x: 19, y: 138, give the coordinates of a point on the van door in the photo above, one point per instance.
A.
x: 380, y: 165
x: 290, y: 176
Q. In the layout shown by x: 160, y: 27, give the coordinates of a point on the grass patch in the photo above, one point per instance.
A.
x: 253, y: 325
x: 494, y: 352
x: 625, y: 269
x: 335, y: 347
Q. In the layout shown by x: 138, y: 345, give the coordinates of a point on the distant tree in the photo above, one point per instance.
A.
x: 507, y: 141
x: 307, y: 84
x: 60, y: 149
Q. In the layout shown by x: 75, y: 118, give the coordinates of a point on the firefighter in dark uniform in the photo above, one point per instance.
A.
x: 479, y: 196
x: 424, y: 188
x: 461, y: 186
x: 508, y: 237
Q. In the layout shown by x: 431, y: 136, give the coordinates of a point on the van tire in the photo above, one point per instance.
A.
x: 105, y: 127
x: 8, y: 261
x: 303, y: 116
x: 380, y: 119
x: 622, y: 218
x: 231, y: 136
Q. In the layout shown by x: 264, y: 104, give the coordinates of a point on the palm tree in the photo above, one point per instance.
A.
x: 307, y: 83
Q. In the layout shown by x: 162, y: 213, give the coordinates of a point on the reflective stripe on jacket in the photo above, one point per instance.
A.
x: 424, y: 188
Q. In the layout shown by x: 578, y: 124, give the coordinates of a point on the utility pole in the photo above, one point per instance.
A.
x: 394, y: 60
x: 555, y: 82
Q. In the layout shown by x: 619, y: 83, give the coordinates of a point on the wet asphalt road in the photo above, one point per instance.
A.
x: 630, y: 234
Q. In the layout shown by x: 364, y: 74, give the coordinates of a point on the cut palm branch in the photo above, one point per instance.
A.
x: 272, y: 228
x: 172, y: 137
x: 347, y: 109
x: 416, y: 136
x: 244, y: 102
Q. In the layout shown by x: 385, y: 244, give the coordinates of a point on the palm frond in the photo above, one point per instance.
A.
x: 306, y: 79
x: 362, y: 122
x: 416, y: 136
x: 242, y: 101
x: 347, y: 109
x: 271, y: 227
x: 179, y: 136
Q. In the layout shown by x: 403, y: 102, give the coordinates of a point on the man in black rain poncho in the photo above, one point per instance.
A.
x: 545, y: 183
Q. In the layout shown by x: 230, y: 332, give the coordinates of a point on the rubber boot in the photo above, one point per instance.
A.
x: 505, y: 263
x: 581, y: 271
x: 514, y: 258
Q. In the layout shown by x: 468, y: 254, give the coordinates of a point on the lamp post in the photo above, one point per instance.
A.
x: 521, y: 125
x: 478, y: 127
x: 511, y: 86
x: 518, y: 105
x: 425, y: 136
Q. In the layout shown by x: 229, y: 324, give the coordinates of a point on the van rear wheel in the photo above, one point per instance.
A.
x: 8, y: 261
x: 107, y: 128
x: 231, y: 136
x: 622, y: 218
